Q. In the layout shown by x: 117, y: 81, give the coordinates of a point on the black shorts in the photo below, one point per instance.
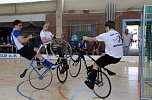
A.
x: 27, y: 52
x: 106, y: 60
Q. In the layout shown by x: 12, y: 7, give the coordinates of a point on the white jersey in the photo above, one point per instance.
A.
x: 126, y: 39
x: 113, y: 43
x: 46, y: 34
x: 14, y: 40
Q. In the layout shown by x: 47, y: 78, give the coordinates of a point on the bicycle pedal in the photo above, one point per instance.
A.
x: 39, y: 68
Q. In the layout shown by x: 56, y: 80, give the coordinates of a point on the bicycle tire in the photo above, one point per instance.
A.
x: 101, y: 93
x: 74, y: 66
x: 62, y: 77
x: 44, y: 83
x: 64, y: 45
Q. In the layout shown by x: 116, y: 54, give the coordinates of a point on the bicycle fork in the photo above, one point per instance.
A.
x: 98, y: 81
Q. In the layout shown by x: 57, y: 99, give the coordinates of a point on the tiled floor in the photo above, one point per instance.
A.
x: 12, y: 87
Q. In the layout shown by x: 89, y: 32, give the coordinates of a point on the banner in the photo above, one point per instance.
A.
x: 6, y: 55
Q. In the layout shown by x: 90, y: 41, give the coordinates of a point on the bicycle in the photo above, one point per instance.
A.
x: 39, y: 79
x: 102, y: 86
x: 62, y: 50
x: 37, y: 75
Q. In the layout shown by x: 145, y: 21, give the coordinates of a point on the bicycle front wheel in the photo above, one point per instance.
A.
x: 102, y: 87
x: 74, y: 65
x: 41, y: 81
x: 62, y: 75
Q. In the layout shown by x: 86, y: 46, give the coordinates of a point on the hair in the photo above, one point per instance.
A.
x: 16, y: 22
x: 45, y: 23
x: 110, y: 24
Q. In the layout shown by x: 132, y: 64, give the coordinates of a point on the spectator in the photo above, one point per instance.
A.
x: 46, y: 35
x: 63, y: 36
x: 127, y: 38
x: 96, y: 48
x: 73, y: 44
x: 83, y: 45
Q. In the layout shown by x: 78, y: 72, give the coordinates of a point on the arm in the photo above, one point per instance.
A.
x: 122, y: 38
x: 89, y: 39
x: 24, y: 40
x: 85, y: 45
x: 131, y: 39
x: 46, y: 36
x: 44, y: 39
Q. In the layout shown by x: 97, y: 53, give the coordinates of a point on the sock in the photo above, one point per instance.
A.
x: 37, y: 61
x: 46, y: 62
x: 93, y: 75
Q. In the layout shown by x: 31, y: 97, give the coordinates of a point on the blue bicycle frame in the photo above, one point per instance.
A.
x: 44, y: 73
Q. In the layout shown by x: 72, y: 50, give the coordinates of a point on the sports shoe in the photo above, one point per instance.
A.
x: 89, y: 84
x: 54, y: 66
x: 110, y: 72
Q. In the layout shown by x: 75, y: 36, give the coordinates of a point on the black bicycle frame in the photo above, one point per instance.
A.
x: 81, y: 55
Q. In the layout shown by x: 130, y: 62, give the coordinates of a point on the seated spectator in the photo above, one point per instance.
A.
x: 96, y: 48
x: 73, y: 44
x: 83, y: 45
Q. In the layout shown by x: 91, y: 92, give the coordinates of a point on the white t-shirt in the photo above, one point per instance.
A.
x: 126, y: 39
x: 113, y: 43
x: 46, y: 34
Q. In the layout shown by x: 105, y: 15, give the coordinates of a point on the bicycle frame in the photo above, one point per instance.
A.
x: 44, y: 73
x: 100, y: 74
x: 34, y: 59
x: 81, y: 56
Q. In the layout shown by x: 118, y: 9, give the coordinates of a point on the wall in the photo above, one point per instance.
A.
x: 125, y: 15
x: 99, y: 18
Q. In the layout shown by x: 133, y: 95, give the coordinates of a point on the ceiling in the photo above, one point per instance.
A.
x: 49, y: 6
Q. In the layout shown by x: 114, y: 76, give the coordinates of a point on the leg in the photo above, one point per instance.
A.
x: 106, y: 60
x: 103, y: 61
x: 46, y: 62
x: 92, y: 77
x: 97, y: 51
x: 93, y: 52
x: 127, y: 50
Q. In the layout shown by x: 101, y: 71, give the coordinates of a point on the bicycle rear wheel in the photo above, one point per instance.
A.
x: 74, y: 65
x: 102, y: 87
x: 62, y: 77
x: 39, y: 82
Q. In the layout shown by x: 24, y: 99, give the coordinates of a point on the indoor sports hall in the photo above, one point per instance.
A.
x: 64, y: 46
